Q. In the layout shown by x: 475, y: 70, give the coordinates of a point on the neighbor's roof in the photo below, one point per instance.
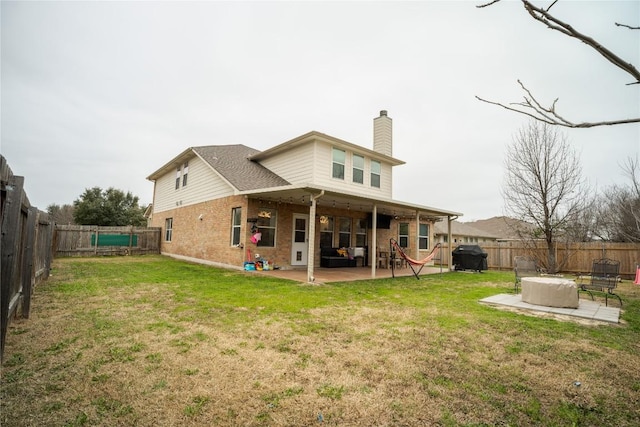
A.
x: 502, y: 226
x: 498, y: 227
x: 463, y: 229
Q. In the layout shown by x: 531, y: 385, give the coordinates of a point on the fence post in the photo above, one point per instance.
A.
x: 27, y: 264
x: 11, y: 229
x: 49, y: 245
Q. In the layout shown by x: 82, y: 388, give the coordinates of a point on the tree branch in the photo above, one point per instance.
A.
x: 624, y: 25
x: 530, y: 106
x: 480, y: 6
x: 553, y: 23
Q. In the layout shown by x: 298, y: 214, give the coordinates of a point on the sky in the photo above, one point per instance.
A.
x: 105, y: 93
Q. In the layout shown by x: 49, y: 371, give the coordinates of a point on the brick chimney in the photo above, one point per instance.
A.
x: 382, y: 134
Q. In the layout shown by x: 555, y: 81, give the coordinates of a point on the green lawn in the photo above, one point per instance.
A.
x: 152, y: 341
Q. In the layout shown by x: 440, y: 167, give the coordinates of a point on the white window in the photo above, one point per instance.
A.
x: 326, y: 231
x: 375, y: 173
x: 267, y: 221
x: 178, y: 178
x: 423, y: 236
x: 403, y: 234
x: 344, y: 232
x: 236, y: 222
x: 360, y: 228
x: 168, y: 229
x: 358, y: 169
x: 338, y: 163
x: 185, y: 172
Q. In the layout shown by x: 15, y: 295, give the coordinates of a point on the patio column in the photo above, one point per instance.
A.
x: 311, y: 250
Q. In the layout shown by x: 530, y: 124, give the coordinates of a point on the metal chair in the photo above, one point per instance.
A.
x: 605, y: 274
x: 524, y: 266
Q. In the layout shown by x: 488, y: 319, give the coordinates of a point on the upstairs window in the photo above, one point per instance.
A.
x: 338, y: 163
x: 403, y: 234
x: 358, y: 169
x: 178, y: 178
x: 168, y: 229
x: 423, y: 236
x: 185, y: 172
x: 375, y: 173
x: 236, y: 221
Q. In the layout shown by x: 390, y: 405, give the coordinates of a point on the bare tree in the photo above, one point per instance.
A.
x: 543, y: 186
x: 531, y: 106
x: 619, y: 207
x: 61, y: 214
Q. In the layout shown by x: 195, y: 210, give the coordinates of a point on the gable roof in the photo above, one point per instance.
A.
x: 233, y: 164
x: 313, y: 136
x: 239, y: 166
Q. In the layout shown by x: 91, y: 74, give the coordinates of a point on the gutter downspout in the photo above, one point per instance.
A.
x: 311, y: 253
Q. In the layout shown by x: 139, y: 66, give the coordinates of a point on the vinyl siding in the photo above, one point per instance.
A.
x: 202, y: 185
x: 312, y: 164
x: 324, y: 167
x: 296, y: 165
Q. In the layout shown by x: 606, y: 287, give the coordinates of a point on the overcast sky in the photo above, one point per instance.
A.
x: 104, y: 93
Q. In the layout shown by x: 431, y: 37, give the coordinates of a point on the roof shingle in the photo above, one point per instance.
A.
x: 232, y: 162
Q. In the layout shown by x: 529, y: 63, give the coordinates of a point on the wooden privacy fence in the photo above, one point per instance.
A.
x: 91, y: 240
x: 573, y: 258
x: 25, y: 251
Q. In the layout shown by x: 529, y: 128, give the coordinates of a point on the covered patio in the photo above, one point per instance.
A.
x: 321, y: 202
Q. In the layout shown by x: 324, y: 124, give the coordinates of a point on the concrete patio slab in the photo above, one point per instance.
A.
x: 347, y: 274
x: 587, y: 309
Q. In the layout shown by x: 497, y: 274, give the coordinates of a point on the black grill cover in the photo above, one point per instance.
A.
x: 469, y: 257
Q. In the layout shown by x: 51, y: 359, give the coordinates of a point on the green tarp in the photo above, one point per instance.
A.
x: 114, y: 240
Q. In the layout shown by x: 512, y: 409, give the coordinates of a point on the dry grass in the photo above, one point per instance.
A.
x: 151, y: 351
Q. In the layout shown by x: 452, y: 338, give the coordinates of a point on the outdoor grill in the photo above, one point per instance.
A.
x: 469, y: 257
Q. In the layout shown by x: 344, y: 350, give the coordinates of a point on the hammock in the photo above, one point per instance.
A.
x: 395, y: 248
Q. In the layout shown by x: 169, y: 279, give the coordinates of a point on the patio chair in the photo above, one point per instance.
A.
x: 605, y: 274
x: 524, y: 266
x: 382, y: 259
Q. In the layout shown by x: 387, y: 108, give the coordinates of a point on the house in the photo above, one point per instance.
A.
x: 504, y: 227
x: 495, y: 229
x: 462, y: 233
x: 293, y: 204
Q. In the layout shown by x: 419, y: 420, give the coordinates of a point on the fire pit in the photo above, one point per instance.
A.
x: 550, y: 292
